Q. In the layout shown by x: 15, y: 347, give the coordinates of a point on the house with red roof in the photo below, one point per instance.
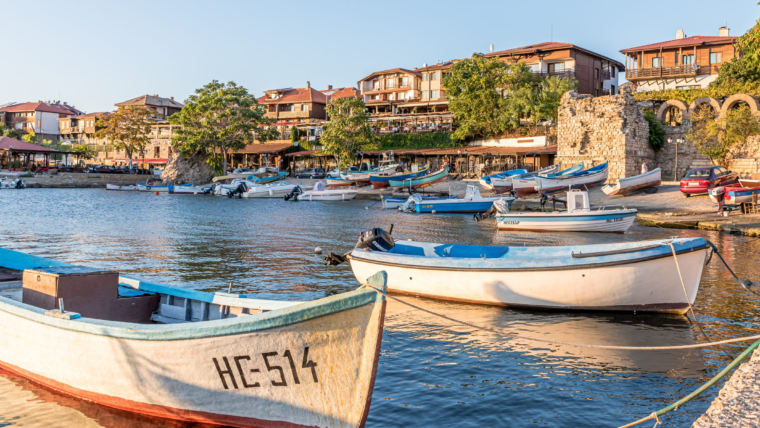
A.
x: 683, y: 63
x: 40, y: 118
x: 80, y: 129
x: 301, y: 105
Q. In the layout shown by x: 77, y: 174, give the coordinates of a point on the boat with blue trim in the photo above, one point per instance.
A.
x: 526, y: 186
x: 422, y: 181
x: 153, y: 188
x: 176, y: 353
x: 391, y: 202
x: 577, y: 218
x: 594, y: 176
x: 266, y: 177
x: 732, y: 195
x: 629, y: 185
x: 623, y: 276
x: 472, y: 202
x: 502, y: 182
x: 382, y: 180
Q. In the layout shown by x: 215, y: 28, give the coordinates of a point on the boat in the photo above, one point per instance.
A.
x: 338, y: 182
x: 526, y: 186
x: 751, y: 182
x: 126, y: 187
x: 422, y: 181
x: 190, y: 190
x: 391, y: 202
x: 472, y: 202
x: 187, y: 355
x: 577, y: 218
x: 12, y: 183
x: 382, y: 179
x: 627, y: 186
x: 320, y: 193
x: 266, y: 177
x: 583, y: 179
x: 732, y: 195
x: 625, y: 276
x: 272, y: 190
x: 159, y: 188
x: 246, y: 172
x: 487, y: 181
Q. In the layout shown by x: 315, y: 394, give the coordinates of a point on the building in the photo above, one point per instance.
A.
x: 40, y: 118
x: 79, y: 129
x: 303, y: 108
x: 596, y: 74
x: 683, y: 63
x: 161, y: 107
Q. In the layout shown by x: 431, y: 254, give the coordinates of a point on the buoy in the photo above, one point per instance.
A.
x: 433, y: 211
x: 156, y: 193
x: 317, y: 250
x: 366, y: 208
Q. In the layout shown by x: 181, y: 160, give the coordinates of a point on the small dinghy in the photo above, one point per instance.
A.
x: 321, y: 193
x: 392, y: 202
x: 272, y: 190
x: 190, y: 190
x: 266, y: 177
x: 127, y: 187
x: 578, y: 218
x: 159, y: 188
x: 583, y: 179
x: 334, y: 183
x: 637, y: 183
x: 176, y: 353
x: 625, y: 276
x: 751, y: 182
x: 472, y: 202
x: 526, y: 185
x: 419, y: 182
x: 12, y: 183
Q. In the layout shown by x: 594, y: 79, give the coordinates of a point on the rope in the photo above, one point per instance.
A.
x: 557, y: 342
x: 742, y: 283
x: 683, y: 285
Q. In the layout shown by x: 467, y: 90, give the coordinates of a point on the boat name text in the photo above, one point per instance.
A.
x: 270, y: 359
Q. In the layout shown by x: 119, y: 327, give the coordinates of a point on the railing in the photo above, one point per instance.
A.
x: 292, y: 114
x: 645, y: 73
x: 606, y: 75
x: 567, y: 72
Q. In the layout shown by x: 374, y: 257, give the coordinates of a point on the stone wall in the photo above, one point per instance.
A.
x: 609, y: 128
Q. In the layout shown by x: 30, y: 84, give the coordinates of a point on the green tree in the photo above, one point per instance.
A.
x: 84, y: 151
x: 293, y: 134
x: 30, y: 137
x: 715, y: 138
x: 551, y: 91
x: 735, y: 73
x: 218, y: 119
x: 348, y: 130
x: 656, y: 130
x: 8, y: 132
x: 128, y: 129
x: 749, y: 45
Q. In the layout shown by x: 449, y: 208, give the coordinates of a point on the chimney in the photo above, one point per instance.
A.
x: 171, y: 98
x: 329, y: 87
x: 308, y: 85
x: 679, y: 34
x: 65, y: 103
x: 424, y: 64
x: 724, y: 30
x: 490, y: 48
x: 155, y: 95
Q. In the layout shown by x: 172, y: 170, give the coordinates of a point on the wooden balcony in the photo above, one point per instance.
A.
x: 567, y: 72
x: 657, y: 73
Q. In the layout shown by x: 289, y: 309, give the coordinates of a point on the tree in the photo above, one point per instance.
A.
x: 294, y: 134
x: 30, y: 137
x: 348, y: 130
x: 83, y: 151
x: 749, y: 45
x: 128, y: 129
x: 656, y: 130
x: 716, y: 138
x: 552, y: 89
x: 8, y: 132
x: 217, y: 119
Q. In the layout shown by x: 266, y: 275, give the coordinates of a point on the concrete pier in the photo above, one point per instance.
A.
x: 737, y: 405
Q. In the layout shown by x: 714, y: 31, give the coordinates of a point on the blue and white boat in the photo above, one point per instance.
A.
x: 525, y: 186
x: 153, y: 188
x: 266, y: 177
x: 472, y: 202
x: 578, y: 218
x: 486, y: 181
x: 624, y: 276
x: 392, y: 202
x: 594, y: 176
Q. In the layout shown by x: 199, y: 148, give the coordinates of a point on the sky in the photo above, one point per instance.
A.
x: 94, y: 54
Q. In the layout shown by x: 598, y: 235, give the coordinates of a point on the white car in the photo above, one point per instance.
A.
x: 333, y: 173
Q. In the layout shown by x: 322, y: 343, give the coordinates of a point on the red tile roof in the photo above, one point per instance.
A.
x: 151, y: 100
x: 346, y: 93
x: 23, y: 146
x: 686, y: 41
x: 442, y: 66
x: 297, y: 95
x: 480, y: 150
x: 393, y: 70
x: 42, y: 107
x: 551, y: 46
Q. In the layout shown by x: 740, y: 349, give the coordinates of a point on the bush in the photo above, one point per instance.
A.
x: 656, y: 131
x: 426, y: 140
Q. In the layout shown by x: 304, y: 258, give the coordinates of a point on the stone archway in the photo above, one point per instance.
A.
x: 712, y: 102
x: 733, y: 100
x: 680, y: 105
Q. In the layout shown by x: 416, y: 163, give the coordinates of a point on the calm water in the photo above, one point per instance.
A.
x: 431, y: 373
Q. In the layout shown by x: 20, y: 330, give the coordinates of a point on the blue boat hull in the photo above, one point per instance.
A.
x: 458, y: 207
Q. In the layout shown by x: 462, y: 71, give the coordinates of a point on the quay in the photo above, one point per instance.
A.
x: 734, y: 405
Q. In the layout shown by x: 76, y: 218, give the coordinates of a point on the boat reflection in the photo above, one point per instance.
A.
x: 619, y: 329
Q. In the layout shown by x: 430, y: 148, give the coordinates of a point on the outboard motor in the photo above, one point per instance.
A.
x: 20, y: 184
x: 238, y: 191
x: 209, y: 190
x: 499, y: 207
x: 294, y: 194
x: 376, y: 239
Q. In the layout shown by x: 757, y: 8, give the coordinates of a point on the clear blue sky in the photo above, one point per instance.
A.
x: 97, y: 53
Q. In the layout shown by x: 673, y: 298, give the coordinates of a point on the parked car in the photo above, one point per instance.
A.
x: 121, y: 170
x: 700, y: 180
x: 333, y: 173
x: 312, y: 173
x: 103, y: 169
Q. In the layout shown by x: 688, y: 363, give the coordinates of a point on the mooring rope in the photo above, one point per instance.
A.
x: 742, y: 283
x: 683, y: 285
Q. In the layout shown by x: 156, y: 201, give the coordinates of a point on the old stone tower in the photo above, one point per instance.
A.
x: 603, y: 129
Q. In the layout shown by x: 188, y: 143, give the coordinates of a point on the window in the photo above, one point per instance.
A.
x: 435, y: 94
x: 305, y: 107
x: 401, y: 96
x: 656, y: 62
x: 390, y: 83
x: 391, y: 97
x: 375, y: 85
x: 612, y: 72
x: 404, y: 81
x: 535, y: 68
x: 716, y: 57
x: 596, y: 73
x: 425, y: 95
x: 157, y: 152
x: 612, y: 89
x: 688, y: 59
x: 557, y: 67
x: 434, y: 75
x: 424, y: 77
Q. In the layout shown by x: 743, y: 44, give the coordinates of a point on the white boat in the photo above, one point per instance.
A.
x: 193, y: 356
x: 578, y: 218
x: 583, y: 179
x: 627, y: 186
x: 273, y: 190
x: 159, y: 188
x: 224, y: 189
x: 190, y: 190
x: 321, y: 193
x: 472, y: 202
x: 392, y: 202
x: 526, y: 185
x: 751, y: 182
x: 487, y: 181
x: 625, y: 276
x: 12, y: 183
x: 127, y: 187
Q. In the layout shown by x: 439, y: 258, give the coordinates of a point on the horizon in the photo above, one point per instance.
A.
x: 114, y: 54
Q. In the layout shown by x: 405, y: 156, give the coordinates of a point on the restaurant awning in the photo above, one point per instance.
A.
x: 142, y: 160
x: 17, y: 146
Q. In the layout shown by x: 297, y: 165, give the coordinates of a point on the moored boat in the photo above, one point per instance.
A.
x: 159, y: 188
x: 190, y: 190
x: 626, y: 276
x: 125, y: 187
x: 629, y: 185
x: 487, y: 181
x: 472, y: 202
x: 339, y: 182
x: 732, y: 195
x: 752, y: 181
x: 382, y: 180
x: 421, y: 181
x: 391, y: 202
x: 272, y: 190
x: 321, y: 193
x: 274, y: 363
x: 577, y: 218
x: 266, y: 177
x: 526, y: 185
x: 587, y: 178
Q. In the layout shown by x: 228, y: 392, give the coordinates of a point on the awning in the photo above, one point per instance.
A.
x: 142, y: 160
x: 301, y: 153
x: 259, y: 149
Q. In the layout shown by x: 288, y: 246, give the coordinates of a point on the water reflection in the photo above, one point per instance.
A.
x: 431, y: 372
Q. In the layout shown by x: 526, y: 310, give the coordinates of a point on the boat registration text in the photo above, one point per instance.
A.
x: 243, y: 362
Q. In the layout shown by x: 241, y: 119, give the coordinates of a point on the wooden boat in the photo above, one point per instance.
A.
x: 578, y: 218
x: 190, y: 190
x: 126, y: 187
x: 382, y: 180
x: 422, y: 181
x: 154, y: 188
x: 751, y: 182
x: 526, y: 186
x: 218, y: 358
x: 626, y: 276
x: 583, y: 179
x: 732, y: 195
x: 266, y: 177
x: 472, y: 202
x: 338, y: 182
x: 487, y: 182
x: 627, y: 186
x: 273, y: 190
x: 321, y: 193
x: 390, y: 202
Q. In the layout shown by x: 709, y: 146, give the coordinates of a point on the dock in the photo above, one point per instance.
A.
x: 737, y: 404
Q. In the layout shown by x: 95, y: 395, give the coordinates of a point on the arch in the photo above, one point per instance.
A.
x: 712, y: 102
x: 673, y: 103
x: 733, y: 100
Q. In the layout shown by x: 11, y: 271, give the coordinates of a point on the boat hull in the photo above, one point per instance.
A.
x: 524, y: 187
x: 749, y: 183
x: 455, y: 206
x: 130, y: 187
x: 547, y: 186
x: 422, y: 181
x: 163, y: 189
x: 647, y: 285
x: 382, y: 181
x: 328, y: 195
x: 594, y: 221
x: 630, y: 185
x: 221, y: 379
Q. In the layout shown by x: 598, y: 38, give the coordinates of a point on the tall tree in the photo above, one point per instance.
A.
x: 83, y: 151
x: 749, y: 45
x: 348, y: 130
x: 128, y: 129
x: 30, y: 137
x: 716, y: 138
x: 220, y: 118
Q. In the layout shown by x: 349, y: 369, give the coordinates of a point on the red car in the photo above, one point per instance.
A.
x: 700, y: 180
